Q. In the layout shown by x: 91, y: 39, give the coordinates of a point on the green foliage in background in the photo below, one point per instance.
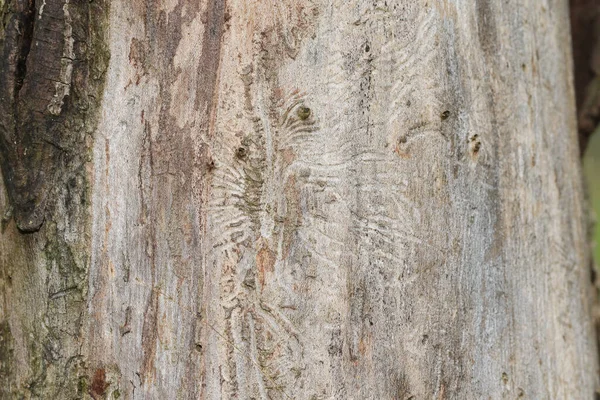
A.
x: 591, y: 168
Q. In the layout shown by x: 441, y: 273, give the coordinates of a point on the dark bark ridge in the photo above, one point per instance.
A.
x: 53, y: 61
x: 48, y: 91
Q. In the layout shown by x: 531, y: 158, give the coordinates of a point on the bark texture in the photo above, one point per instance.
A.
x: 54, y: 59
x: 317, y: 200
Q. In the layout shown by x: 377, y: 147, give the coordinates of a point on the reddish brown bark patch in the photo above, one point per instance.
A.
x: 99, y: 384
x: 265, y: 264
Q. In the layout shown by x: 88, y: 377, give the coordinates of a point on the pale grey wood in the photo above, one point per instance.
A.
x: 329, y: 200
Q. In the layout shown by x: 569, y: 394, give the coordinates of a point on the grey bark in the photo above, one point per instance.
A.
x: 315, y: 200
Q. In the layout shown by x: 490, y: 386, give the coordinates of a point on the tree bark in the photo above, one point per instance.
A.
x: 304, y: 200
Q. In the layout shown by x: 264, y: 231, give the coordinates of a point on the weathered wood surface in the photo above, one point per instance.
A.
x: 318, y: 200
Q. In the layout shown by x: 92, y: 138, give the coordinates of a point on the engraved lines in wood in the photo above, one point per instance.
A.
x: 310, y: 188
x: 408, y: 65
x: 261, y: 349
x: 382, y: 181
x: 379, y: 205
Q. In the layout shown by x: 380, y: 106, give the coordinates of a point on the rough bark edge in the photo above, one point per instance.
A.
x: 56, y: 369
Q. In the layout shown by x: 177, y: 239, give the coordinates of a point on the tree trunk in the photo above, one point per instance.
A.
x: 293, y: 200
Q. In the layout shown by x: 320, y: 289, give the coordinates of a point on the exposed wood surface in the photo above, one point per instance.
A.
x: 322, y: 200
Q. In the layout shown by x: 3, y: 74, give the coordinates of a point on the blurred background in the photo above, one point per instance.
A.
x: 591, y: 170
x: 585, y: 33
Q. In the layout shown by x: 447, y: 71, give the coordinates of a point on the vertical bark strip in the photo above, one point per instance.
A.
x: 54, y: 57
x: 206, y: 99
x: 41, y: 55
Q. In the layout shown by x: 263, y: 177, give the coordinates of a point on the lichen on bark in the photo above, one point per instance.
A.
x: 51, y: 97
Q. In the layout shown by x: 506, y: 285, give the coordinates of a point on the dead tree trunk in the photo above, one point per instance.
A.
x: 292, y: 200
